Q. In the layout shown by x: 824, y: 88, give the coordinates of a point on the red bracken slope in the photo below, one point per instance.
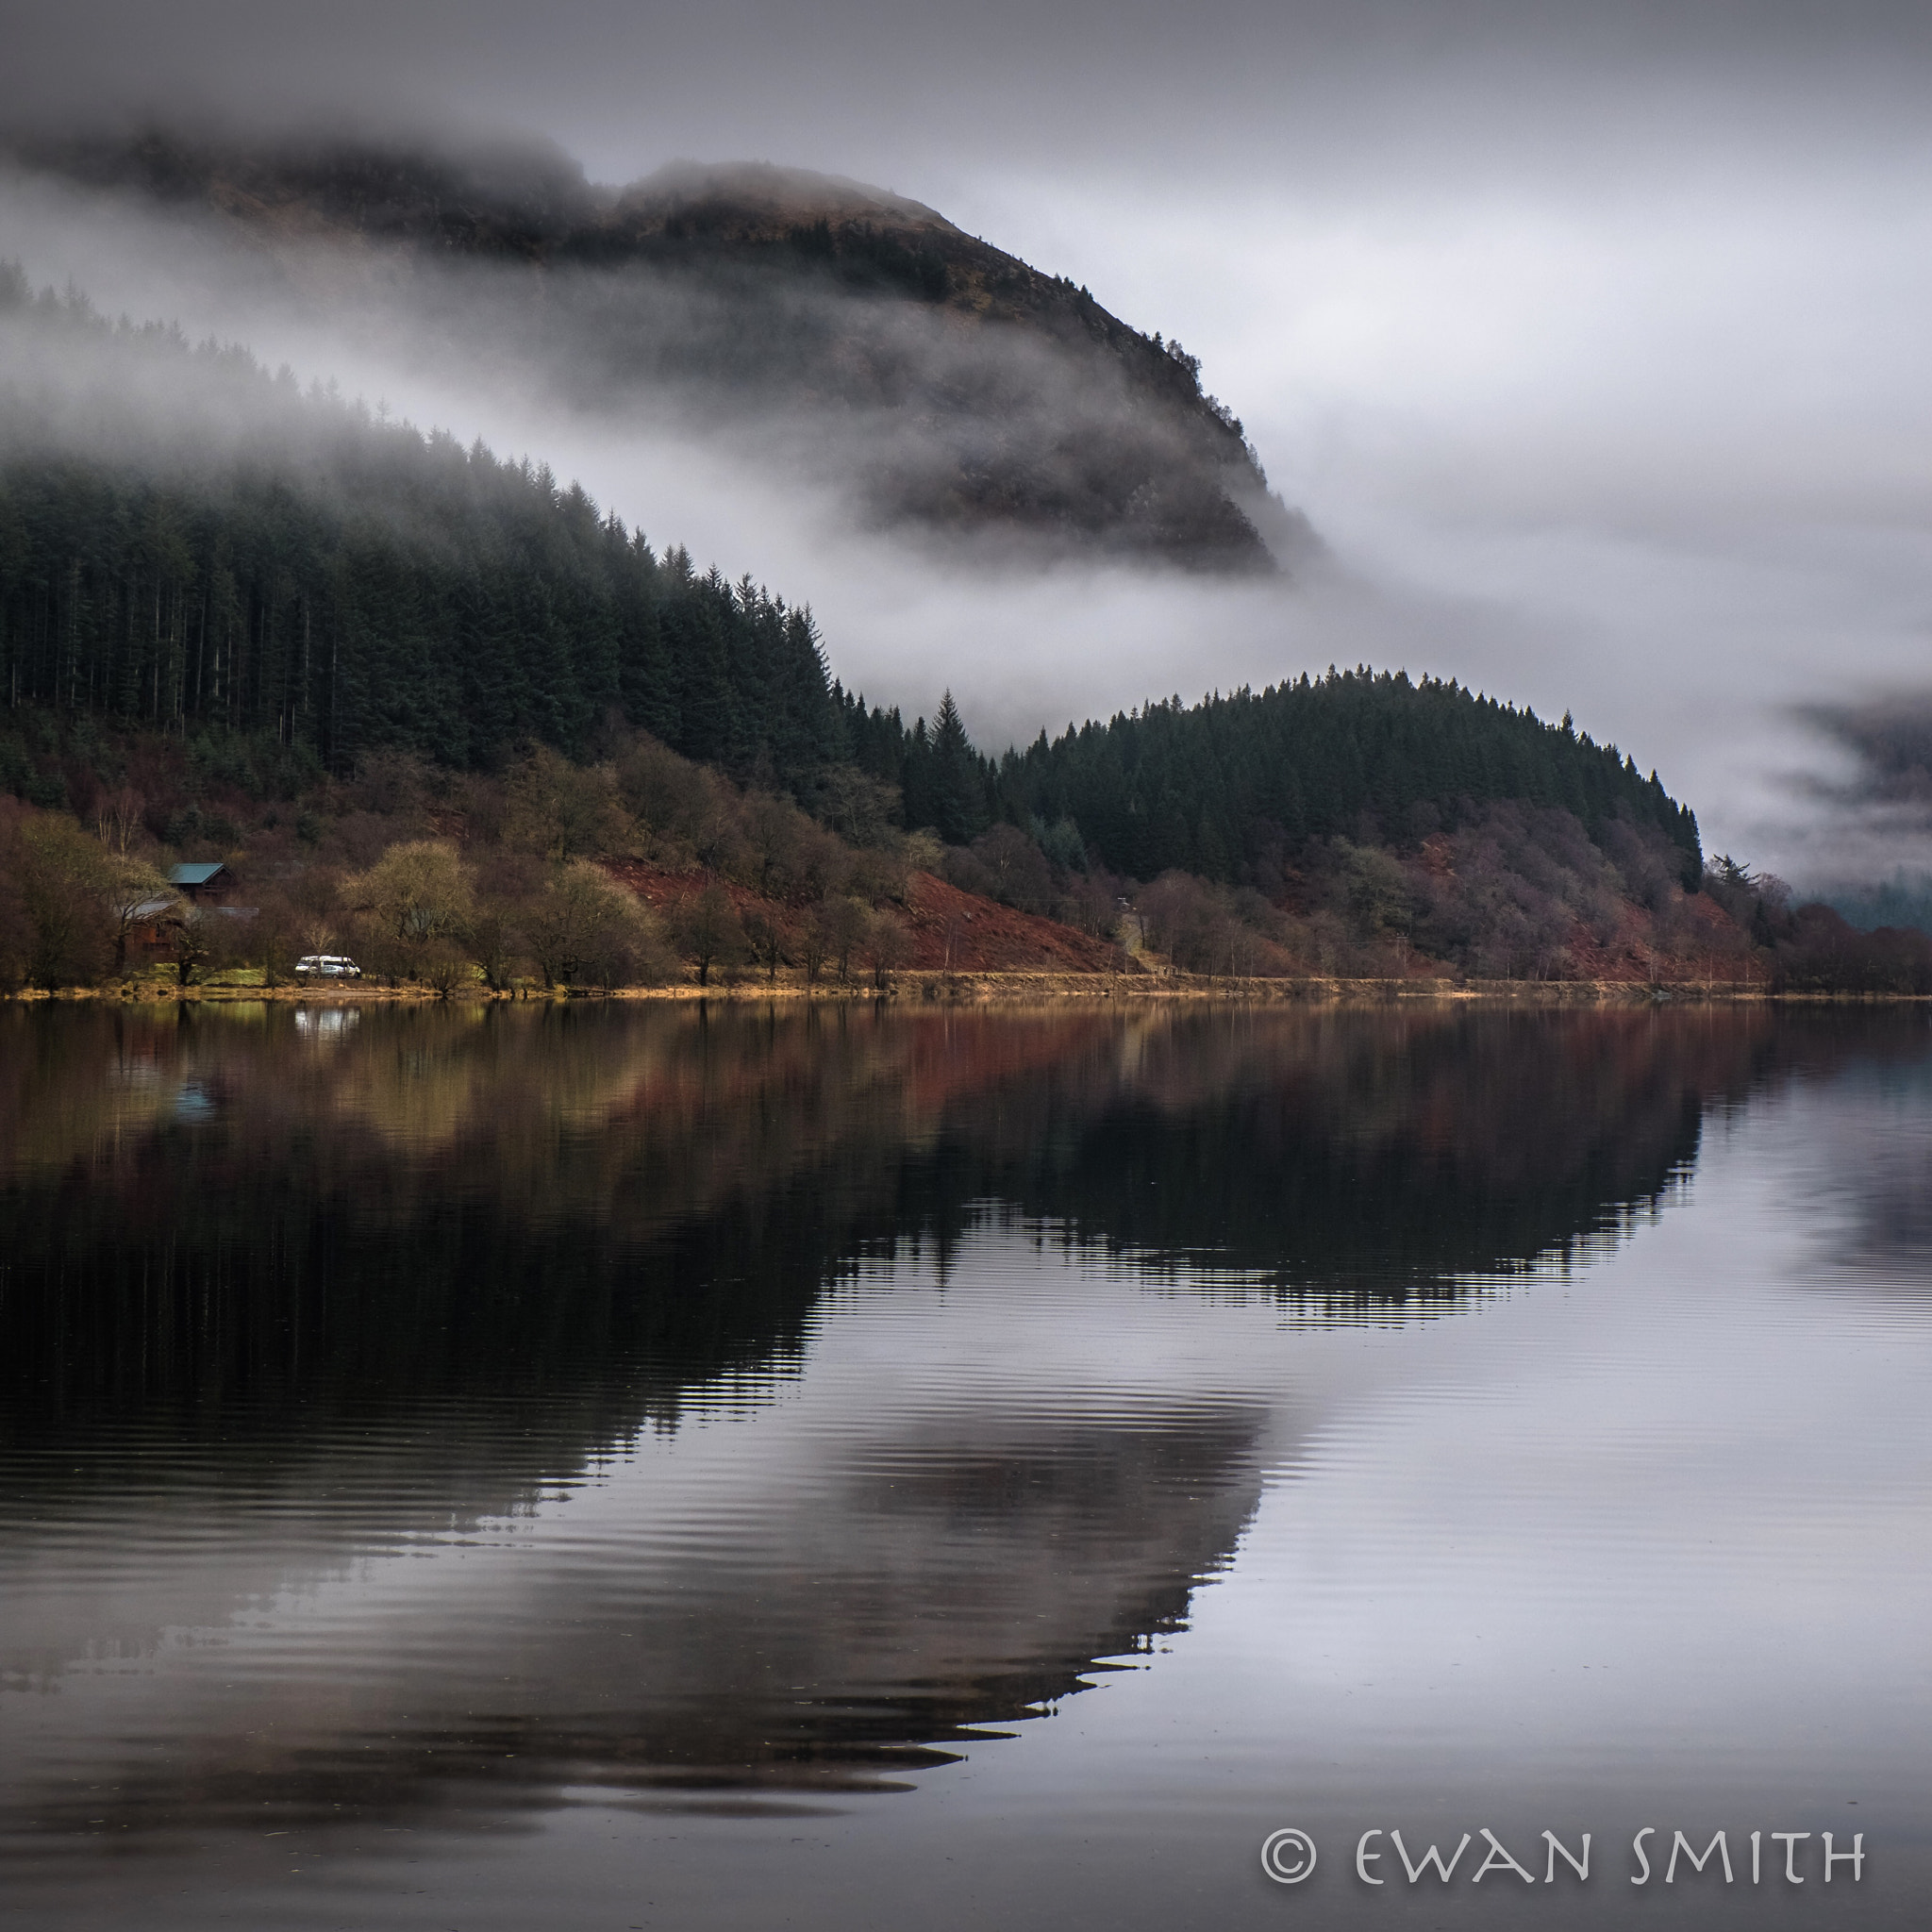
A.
x: 963, y: 933
x: 951, y: 931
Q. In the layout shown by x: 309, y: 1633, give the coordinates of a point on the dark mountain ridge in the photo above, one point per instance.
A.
x: 970, y: 394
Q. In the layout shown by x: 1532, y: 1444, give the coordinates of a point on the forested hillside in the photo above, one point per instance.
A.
x: 185, y: 539
x: 241, y: 621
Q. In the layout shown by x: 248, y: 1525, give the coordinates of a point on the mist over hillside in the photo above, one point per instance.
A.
x: 839, y: 335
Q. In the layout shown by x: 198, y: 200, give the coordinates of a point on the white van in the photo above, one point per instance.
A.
x: 327, y: 966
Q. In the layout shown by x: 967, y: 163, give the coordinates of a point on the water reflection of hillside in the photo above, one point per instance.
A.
x: 231, y: 1209
x: 837, y: 1645
x: 302, y: 1295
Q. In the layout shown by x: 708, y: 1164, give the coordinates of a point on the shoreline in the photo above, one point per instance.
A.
x: 963, y: 989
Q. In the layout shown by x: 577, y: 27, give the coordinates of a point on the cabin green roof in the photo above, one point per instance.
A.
x: 193, y: 875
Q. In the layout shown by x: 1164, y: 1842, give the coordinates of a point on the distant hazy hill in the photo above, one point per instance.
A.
x: 1902, y: 901
x: 939, y: 381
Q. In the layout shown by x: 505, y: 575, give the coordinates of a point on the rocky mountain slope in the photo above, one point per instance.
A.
x: 939, y: 382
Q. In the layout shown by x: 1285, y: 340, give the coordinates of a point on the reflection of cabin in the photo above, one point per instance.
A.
x: 204, y: 884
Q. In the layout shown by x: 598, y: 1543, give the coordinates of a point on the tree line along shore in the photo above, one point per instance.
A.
x: 644, y: 870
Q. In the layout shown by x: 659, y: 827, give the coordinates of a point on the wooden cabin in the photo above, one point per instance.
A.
x: 205, y: 883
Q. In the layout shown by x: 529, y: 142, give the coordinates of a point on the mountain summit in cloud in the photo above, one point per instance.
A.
x: 938, y: 384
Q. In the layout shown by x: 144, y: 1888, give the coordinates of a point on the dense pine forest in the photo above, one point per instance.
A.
x: 1231, y: 788
x: 293, y: 566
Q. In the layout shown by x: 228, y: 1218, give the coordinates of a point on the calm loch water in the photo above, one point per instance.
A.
x: 623, y: 1468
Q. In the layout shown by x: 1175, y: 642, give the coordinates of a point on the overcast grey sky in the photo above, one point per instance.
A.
x: 1592, y: 338
x: 1346, y: 87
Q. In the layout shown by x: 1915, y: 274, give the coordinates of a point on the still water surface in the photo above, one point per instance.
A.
x: 617, y: 1468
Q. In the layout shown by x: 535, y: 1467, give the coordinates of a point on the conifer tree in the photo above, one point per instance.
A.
x: 957, y: 783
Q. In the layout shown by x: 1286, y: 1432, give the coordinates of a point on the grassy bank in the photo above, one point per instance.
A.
x: 974, y: 988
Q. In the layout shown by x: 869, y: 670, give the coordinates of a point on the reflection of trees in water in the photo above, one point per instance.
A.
x: 437, y: 1259
x: 613, y: 1206
x: 1362, y: 1159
